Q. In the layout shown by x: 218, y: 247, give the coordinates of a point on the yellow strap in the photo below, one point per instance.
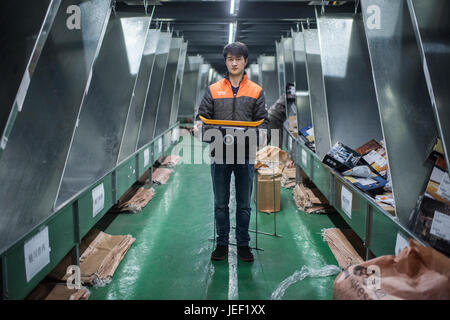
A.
x: 232, y: 123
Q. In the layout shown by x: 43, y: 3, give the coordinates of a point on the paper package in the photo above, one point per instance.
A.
x: 416, y: 273
x: 161, y: 175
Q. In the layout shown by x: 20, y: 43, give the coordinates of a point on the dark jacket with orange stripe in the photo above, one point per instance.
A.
x: 249, y: 104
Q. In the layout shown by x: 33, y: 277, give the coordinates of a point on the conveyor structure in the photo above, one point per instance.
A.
x: 86, y: 111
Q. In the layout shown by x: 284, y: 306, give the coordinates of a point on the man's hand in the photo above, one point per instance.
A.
x: 196, y: 129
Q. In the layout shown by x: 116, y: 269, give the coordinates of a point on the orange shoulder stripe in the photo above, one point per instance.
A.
x: 221, y: 90
x: 251, y: 90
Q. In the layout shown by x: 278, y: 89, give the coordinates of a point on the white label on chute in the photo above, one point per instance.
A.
x: 401, y: 243
x: 304, y: 158
x: 37, y: 253
x: 98, y: 199
x: 175, y: 135
x: 444, y: 187
x: 346, y: 201
x: 160, y: 145
x: 146, y: 157
x: 441, y: 225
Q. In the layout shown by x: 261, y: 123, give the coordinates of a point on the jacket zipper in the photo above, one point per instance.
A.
x: 234, y: 106
x: 234, y: 97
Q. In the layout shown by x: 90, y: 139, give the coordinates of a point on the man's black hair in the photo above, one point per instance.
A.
x: 236, y: 49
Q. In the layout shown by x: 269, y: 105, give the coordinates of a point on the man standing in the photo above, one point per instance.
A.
x: 233, y: 98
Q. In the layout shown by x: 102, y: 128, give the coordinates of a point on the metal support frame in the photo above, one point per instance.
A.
x: 137, y: 168
x: 3, y: 278
x: 20, y: 68
x: 332, y: 199
x: 77, y: 239
x: 367, y: 238
x: 152, y: 160
x: 73, y: 251
x: 402, y: 97
x: 51, y: 125
x: 431, y: 32
x: 274, y: 234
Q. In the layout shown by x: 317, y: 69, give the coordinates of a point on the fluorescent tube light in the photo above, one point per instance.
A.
x: 231, y: 6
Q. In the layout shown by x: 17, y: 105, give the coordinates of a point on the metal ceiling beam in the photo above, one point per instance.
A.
x: 140, y: 2
x: 219, y: 11
x: 204, y: 23
x: 218, y: 48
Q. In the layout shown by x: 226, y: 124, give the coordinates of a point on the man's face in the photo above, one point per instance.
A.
x: 235, y: 64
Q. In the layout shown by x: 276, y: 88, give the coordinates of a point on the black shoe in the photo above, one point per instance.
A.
x: 220, y: 253
x: 245, y: 254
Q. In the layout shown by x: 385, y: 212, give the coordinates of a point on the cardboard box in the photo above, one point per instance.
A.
x: 306, y: 130
x: 375, y: 155
x: 308, y: 133
x: 386, y: 202
x: 292, y: 123
x: 271, y: 156
x: 341, y: 157
x: 440, y: 163
x: 372, y: 185
x: 388, y: 208
x: 438, y: 147
x: 268, y: 202
x: 377, y: 159
x: 367, y: 147
x: 386, y: 198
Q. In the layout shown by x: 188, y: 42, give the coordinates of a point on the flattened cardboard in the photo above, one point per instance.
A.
x: 161, y: 175
x: 138, y: 201
x: 311, y: 200
x: 342, y: 249
x: 102, y: 257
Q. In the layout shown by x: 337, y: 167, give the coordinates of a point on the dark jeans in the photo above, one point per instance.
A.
x: 243, y: 180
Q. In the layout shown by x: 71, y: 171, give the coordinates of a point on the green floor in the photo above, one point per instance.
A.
x: 170, y: 258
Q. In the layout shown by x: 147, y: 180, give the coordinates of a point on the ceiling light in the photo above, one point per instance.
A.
x: 231, y: 6
x: 230, y: 33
